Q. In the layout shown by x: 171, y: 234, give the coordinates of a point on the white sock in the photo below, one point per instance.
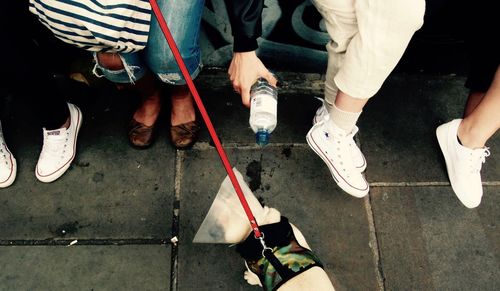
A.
x: 344, y: 119
x: 330, y: 96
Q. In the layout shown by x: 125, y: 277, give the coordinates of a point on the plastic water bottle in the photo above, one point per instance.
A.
x: 263, y: 110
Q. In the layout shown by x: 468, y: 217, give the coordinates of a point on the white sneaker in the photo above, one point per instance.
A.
x: 59, y: 148
x: 463, y: 164
x: 332, y: 144
x: 8, y: 165
x: 357, y: 156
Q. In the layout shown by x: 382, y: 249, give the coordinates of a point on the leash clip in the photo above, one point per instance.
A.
x: 263, y: 243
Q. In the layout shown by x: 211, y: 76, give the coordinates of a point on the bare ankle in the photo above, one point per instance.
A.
x: 148, y: 110
x: 468, y: 137
x: 181, y: 92
x: 67, y: 123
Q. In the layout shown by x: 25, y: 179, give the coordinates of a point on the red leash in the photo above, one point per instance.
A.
x: 206, y: 118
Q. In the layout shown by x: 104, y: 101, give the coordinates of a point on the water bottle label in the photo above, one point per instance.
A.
x: 263, y: 103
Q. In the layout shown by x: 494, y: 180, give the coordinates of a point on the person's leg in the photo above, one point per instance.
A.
x: 341, y: 25
x: 30, y: 75
x: 340, y: 18
x: 462, y: 142
x: 183, y: 20
x: 385, y: 29
x: 368, y: 39
x: 135, y: 78
x: 29, y: 71
x: 473, y: 100
x: 128, y: 70
x: 477, y: 127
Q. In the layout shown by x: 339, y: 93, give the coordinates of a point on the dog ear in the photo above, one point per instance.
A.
x: 226, y: 221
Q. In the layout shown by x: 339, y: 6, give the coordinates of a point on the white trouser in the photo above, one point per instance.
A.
x: 368, y: 38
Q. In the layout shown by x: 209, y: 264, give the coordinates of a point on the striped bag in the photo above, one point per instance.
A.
x: 97, y: 25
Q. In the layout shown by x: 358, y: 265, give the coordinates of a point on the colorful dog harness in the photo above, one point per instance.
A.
x: 285, y: 257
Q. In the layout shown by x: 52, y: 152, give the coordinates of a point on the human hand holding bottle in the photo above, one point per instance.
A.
x: 244, y: 70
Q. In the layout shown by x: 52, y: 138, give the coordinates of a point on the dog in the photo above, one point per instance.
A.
x: 287, y: 263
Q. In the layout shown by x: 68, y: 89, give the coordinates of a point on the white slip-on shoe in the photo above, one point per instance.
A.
x: 332, y: 145
x: 59, y: 148
x: 8, y: 165
x: 462, y: 164
x: 357, y: 156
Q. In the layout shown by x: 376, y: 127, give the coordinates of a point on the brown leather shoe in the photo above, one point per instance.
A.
x: 184, y: 135
x: 140, y: 135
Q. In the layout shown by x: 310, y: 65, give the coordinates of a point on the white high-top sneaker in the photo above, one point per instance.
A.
x: 59, y: 148
x: 463, y: 164
x: 8, y: 165
x: 357, y: 156
x: 332, y: 145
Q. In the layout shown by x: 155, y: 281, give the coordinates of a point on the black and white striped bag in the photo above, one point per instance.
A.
x: 97, y: 25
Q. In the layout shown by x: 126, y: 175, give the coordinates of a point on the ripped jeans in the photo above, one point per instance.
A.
x: 183, y: 19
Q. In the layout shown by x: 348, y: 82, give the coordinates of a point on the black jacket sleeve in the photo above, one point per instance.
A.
x: 246, y: 23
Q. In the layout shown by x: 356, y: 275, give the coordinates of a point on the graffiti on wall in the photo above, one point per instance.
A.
x: 291, y: 30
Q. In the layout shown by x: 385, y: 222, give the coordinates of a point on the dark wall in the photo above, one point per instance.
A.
x: 293, y: 30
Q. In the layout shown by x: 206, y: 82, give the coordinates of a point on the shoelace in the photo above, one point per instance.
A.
x: 54, y: 145
x: 347, y: 139
x: 478, y: 159
x: 322, y: 114
x: 3, y: 154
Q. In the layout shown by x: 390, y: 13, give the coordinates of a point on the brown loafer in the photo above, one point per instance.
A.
x: 184, y: 135
x: 140, y: 135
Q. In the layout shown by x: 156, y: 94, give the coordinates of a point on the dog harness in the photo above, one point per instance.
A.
x: 283, y: 259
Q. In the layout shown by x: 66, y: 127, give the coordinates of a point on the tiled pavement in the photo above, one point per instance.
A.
x: 123, y: 206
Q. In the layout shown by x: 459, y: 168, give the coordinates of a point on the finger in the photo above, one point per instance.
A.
x: 271, y: 79
x: 245, y: 96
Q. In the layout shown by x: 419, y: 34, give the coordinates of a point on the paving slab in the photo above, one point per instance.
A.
x: 145, y: 267
x: 293, y: 180
x: 429, y: 241
x: 110, y: 191
x: 489, y: 214
x: 397, y: 129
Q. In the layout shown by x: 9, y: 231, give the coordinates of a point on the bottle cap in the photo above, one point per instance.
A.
x: 262, y: 137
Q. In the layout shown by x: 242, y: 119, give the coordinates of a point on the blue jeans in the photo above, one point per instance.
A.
x: 183, y: 19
